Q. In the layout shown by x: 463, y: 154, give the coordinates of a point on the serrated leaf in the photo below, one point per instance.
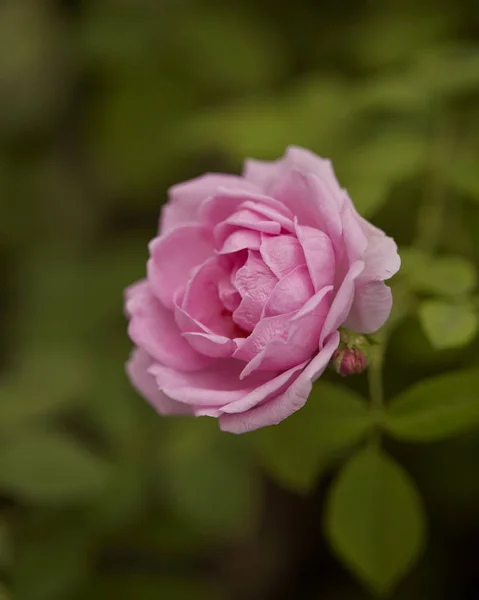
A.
x: 436, y: 408
x: 296, y: 450
x: 208, y: 480
x: 448, y: 325
x: 48, y: 467
x: 375, y: 521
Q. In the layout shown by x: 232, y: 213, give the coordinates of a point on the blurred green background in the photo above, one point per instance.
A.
x: 103, y: 105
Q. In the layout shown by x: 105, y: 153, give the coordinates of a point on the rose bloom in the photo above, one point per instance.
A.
x: 247, y: 283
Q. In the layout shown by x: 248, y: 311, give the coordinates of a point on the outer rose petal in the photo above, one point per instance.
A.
x: 381, y: 258
x: 312, y: 202
x: 174, y: 256
x: 355, y: 240
x: 211, y: 387
x: 264, y: 392
x: 261, y: 172
x: 285, y: 404
x: 371, y: 308
x: 343, y: 301
x: 153, y: 328
x: 309, y: 162
x: 185, y: 198
x: 137, y: 370
x: 210, y: 344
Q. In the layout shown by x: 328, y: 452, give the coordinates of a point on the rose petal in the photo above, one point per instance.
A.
x: 329, y: 219
x: 311, y: 201
x: 261, y: 172
x: 319, y: 253
x: 292, y: 190
x: 355, y: 240
x: 309, y: 163
x: 286, y: 403
x: 185, y: 198
x: 255, y: 282
x: 153, y: 328
x: 173, y: 258
x: 343, y: 301
x: 228, y: 294
x: 371, y: 307
x: 274, y: 214
x: 290, y: 293
x: 213, y: 387
x: 282, y: 254
x: 261, y: 394
x: 241, y: 239
x: 283, y: 341
x: 224, y: 203
x: 381, y: 258
x: 246, y: 219
x: 210, y: 344
x: 137, y: 370
x: 201, y: 300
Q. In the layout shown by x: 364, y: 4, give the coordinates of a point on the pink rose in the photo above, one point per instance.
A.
x: 247, y: 284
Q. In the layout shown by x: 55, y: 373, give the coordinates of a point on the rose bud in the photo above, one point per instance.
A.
x: 248, y: 282
x: 352, y: 355
x: 349, y: 361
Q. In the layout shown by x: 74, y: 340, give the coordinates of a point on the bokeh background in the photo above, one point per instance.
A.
x: 103, y: 105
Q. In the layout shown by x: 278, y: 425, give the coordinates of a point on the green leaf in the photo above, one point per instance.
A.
x: 208, y: 480
x: 443, y: 275
x: 375, y: 521
x: 296, y: 450
x: 436, y: 408
x: 448, y: 325
x: 44, y: 466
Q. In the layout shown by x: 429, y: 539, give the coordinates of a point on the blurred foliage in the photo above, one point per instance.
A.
x: 103, y: 105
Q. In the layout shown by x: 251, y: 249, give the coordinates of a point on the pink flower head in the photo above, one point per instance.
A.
x: 247, y: 283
